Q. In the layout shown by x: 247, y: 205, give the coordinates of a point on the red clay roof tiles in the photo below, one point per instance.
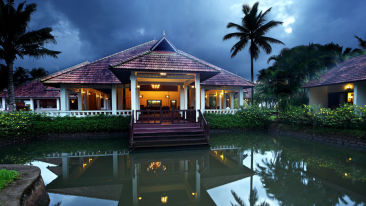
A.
x: 34, y: 89
x: 142, y: 58
x: 352, y: 70
x: 98, y: 71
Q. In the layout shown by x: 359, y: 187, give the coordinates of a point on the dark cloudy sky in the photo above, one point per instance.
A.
x: 91, y: 29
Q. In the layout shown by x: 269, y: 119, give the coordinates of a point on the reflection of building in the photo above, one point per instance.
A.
x: 148, y: 178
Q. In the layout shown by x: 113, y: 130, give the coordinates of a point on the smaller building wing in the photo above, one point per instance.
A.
x: 352, y: 70
x: 34, y: 89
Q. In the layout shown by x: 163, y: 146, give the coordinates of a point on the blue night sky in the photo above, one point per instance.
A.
x: 91, y: 29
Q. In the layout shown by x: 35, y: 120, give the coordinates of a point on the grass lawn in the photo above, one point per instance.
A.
x: 6, y: 177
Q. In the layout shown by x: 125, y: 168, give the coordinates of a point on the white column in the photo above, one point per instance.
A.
x: 231, y: 100
x: 186, y: 97
x: 203, y: 103
x: 137, y: 102
x: 197, y: 99
x: 63, y: 98
x: 57, y: 104
x: 241, y: 97
x: 80, y: 102
x: 181, y: 98
x: 38, y: 104
x: 224, y: 102
x: 133, y: 93
x: 220, y: 100
x: 114, y: 99
x: 31, y: 104
x: 3, y: 103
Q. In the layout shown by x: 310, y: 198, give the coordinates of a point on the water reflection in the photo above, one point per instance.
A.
x: 145, y: 178
x: 259, y: 169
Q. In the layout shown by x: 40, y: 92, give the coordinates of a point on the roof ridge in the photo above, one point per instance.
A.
x: 132, y: 58
x: 122, y: 51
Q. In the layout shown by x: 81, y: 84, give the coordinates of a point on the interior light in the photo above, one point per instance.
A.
x: 162, y: 74
x: 138, y: 86
x: 140, y: 198
x: 141, y: 96
x: 348, y: 86
x: 192, y: 86
x: 155, y: 86
x: 164, y: 199
x: 167, y: 96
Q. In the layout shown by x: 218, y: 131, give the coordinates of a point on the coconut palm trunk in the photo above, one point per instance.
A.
x: 11, y: 98
x: 252, y: 78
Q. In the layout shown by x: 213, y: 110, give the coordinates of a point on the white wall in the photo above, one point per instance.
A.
x: 360, y: 93
x: 318, y: 96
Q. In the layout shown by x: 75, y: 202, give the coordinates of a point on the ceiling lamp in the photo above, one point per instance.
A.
x: 155, y: 86
x: 163, y: 74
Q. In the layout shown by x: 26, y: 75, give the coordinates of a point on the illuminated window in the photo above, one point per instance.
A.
x: 350, y: 97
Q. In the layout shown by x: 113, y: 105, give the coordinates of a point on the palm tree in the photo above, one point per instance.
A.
x: 16, y: 41
x: 361, y: 42
x: 252, y: 30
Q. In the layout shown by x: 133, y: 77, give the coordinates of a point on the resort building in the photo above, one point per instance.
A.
x: 34, y: 96
x: 345, y: 83
x: 151, y: 76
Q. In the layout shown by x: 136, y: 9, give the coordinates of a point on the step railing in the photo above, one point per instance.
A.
x: 131, y: 126
x: 221, y: 111
x: 204, y: 125
x: 72, y: 113
x: 164, y: 116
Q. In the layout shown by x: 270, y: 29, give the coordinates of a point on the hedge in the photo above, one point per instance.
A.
x: 17, y: 124
x: 248, y: 117
x: 343, y: 117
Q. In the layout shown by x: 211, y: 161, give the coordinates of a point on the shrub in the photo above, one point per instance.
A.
x: 344, y: 117
x: 14, y: 124
x: 249, y: 118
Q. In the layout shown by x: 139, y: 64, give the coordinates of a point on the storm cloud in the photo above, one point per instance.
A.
x: 91, y: 29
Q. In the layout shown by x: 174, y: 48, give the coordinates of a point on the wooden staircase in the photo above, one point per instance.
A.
x: 169, y: 134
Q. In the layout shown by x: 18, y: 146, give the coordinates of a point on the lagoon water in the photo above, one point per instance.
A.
x: 239, y: 168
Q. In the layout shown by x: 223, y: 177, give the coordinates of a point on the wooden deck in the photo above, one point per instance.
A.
x: 168, y: 129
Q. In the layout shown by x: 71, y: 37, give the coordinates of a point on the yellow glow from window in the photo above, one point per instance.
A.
x: 164, y: 199
x: 140, y: 198
x: 162, y: 74
x: 350, y: 97
x: 222, y: 157
x: 192, y: 86
x: 348, y: 87
x: 155, y: 86
x: 84, y: 165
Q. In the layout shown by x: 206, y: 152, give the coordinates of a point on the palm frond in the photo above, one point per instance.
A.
x: 237, y: 198
x: 237, y: 26
x: 361, y: 42
x: 240, y: 45
x: 266, y: 27
x: 234, y: 34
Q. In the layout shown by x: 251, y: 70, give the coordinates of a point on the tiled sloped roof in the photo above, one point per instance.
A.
x: 34, y: 89
x: 165, y: 61
x: 98, y: 71
x: 224, y: 78
x: 352, y: 70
